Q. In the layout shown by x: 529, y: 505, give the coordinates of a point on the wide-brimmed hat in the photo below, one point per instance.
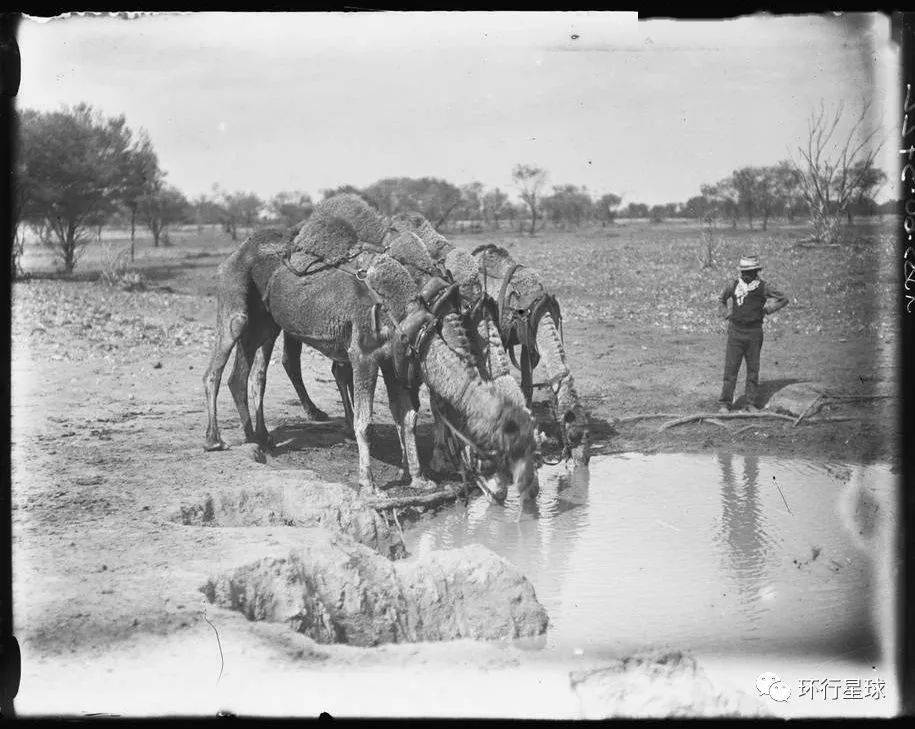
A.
x: 749, y: 263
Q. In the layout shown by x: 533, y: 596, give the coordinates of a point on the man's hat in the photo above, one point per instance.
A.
x: 749, y: 263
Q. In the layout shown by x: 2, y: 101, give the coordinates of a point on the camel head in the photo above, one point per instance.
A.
x: 577, y: 434
x: 492, y: 435
x: 517, y: 467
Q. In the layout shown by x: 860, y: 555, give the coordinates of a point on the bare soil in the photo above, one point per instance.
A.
x: 108, y: 418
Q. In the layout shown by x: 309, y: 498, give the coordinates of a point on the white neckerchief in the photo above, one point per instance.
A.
x: 743, y: 288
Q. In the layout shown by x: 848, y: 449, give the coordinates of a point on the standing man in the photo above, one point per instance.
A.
x: 751, y: 302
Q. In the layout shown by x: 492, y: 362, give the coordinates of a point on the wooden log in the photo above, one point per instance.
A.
x: 722, y: 416
x: 427, y: 499
x: 811, y: 408
x: 643, y: 416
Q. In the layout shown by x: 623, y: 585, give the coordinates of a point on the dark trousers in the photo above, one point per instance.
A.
x: 744, y: 343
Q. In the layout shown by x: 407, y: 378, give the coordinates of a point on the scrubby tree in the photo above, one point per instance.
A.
x: 699, y: 207
x: 71, y: 163
x: 831, y: 166
x: 289, y: 208
x: 530, y: 181
x: 657, y: 213
x: 206, y: 211
x: 140, y: 175
x: 495, y: 206
x: 237, y: 210
x: 745, y: 183
x: 605, y: 208
x: 724, y: 197
x: 436, y: 199
x: 869, y: 181
x: 635, y: 210
x: 568, y: 204
x: 161, y: 207
x: 470, y: 207
x: 790, y: 201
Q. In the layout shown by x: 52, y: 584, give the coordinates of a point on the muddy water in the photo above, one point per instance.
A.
x: 716, y: 554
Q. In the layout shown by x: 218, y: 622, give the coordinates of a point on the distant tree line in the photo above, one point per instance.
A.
x: 78, y: 171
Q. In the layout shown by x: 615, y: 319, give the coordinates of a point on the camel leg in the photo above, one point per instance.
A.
x: 527, y: 377
x: 405, y: 414
x: 258, y: 382
x: 238, y: 380
x: 343, y: 376
x: 365, y: 376
x: 441, y: 459
x: 229, y: 329
x: 292, y: 362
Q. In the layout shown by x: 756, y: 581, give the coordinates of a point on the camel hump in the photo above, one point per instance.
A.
x: 437, y: 244
x: 324, y: 239
x: 269, y: 241
x: 369, y: 224
x: 391, y: 281
x: 464, y: 268
x: 408, y: 249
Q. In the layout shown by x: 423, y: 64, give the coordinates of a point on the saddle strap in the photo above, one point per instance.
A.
x: 503, y: 290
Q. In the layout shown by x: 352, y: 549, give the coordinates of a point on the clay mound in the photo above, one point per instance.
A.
x: 408, y: 249
x: 392, y: 282
x: 368, y: 223
x: 343, y: 592
x: 289, y: 505
x: 655, y: 686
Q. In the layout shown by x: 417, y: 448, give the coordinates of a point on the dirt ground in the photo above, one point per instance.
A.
x: 108, y: 419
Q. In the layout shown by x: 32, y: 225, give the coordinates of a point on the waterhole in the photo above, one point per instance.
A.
x: 718, y: 554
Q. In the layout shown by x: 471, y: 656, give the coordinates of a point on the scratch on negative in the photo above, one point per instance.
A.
x: 781, y: 494
x: 669, y: 526
x: 222, y: 662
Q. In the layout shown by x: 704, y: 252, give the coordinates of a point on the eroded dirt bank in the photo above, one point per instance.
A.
x: 120, y: 518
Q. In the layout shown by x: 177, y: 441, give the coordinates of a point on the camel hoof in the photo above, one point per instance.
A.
x: 424, y: 483
x: 215, y: 445
x: 254, y: 452
x: 367, y: 486
x: 265, y: 441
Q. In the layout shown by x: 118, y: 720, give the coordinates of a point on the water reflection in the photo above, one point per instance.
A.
x: 742, y: 529
x: 658, y: 553
x: 538, y: 536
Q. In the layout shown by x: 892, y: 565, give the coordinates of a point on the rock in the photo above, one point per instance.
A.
x: 341, y: 591
x: 796, y: 398
x: 661, y: 685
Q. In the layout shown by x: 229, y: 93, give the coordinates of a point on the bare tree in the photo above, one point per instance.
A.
x: 530, y: 181
x: 832, y: 168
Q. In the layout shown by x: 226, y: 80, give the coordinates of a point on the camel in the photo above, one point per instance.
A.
x: 478, y: 311
x: 529, y: 316
x: 336, y: 311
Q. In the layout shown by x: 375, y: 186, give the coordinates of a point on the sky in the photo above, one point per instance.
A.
x: 266, y: 102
